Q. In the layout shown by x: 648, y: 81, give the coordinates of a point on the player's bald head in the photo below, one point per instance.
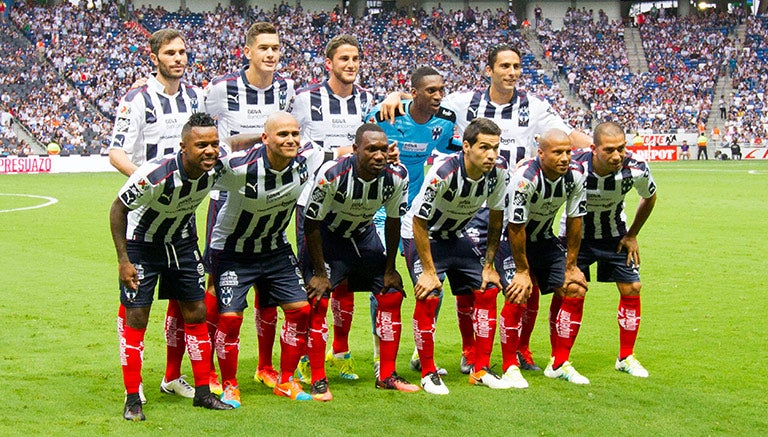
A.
x: 608, y: 129
x: 278, y: 118
x: 552, y: 137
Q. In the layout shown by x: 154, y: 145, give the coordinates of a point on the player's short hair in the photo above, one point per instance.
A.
x: 480, y: 126
x: 257, y: 29
x: 338, y: 41
x: 163, y: 37
x: 420, y: 73
x: 493, y: 53
x: 367, y: 127
x: 606, y: 129
x: 197, y: 119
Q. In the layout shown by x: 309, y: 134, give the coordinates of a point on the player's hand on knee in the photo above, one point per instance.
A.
x: 129, y: 277
x: 426, y: 284
x: 317, y: 287
x: 520, y: 288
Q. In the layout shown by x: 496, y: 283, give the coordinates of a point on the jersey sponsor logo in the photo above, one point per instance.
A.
x: 414, y: 147
x: 122, y: 124
x: 133, y: 192
x: 436, y: 132
x: 234, y: 97
x: 200, y: 269
x: 582, y: 207
x: 430, y: 194
x: 317, y: 109
x: 312, y: 210
x: 652, y: 188
x: 124, y: 110
x: 228, y: 279
x: 118, y: 141
x: 318, y: 195
x: 520, y: 198
x: 403, y: 209
x: 426, y: 210
x: 518, y: 214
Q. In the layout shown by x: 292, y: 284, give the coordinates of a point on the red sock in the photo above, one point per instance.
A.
x: 342, y: 307
x: 293, y: 340
x: 199, y: 349
x: 529, y: 319
x: 554, y: 308
x: 464, y: 308
x: 120, y: 321
x: 227, y: 342
x: 211, y: 320
x: 174, y: 340
x: 484, y: 322
x: 567, y: 327
x: 318, y: 338
x: 388, y: 329
x: 266, y: 329
x: 510, y: 322
x: 629, y: 324
x: 131, y: 357
x: 424, y: 333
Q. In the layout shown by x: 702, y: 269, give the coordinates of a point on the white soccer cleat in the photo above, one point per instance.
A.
x: 433, y: 384
x: 566, y: 372
x: 178, y: 386
x: 488, y: 378
x: 515, y: 378
x: 632, y: 366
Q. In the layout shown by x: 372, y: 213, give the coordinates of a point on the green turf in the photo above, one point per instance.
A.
x: 703, y: 335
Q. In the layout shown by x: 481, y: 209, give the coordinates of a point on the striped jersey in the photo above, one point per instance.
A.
x: 261, y: 200
x: 242, y: 108
x: 345, y: 203
x: 417, y: 141
x: 606, y: 217
x: 148, y: 122
x: 525, y: 116
x: 163, y: 200
x: 534, y: 200
x: 328, y: 119
x: 449, y: 198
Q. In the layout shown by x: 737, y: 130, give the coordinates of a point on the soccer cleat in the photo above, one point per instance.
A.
x: 376, y: 367
x: 320, y: 391
x: 303, y: 371
x: 416, y: 364
x: 344, y: 364
x: 396, y: 382
x: 465, y: 366
x: 514, y: 377
x: 632, y: 366
x: 178, y: 386
x: 433, y: 384
x: 566, y: 372
x: 215, y: 386
x: 267, y: 376
x: 211, y: 402
x: 525, y: 358
x: 489, y: 378
x: 231, y: 396
x: 291, y: 389
x: 141, y: 394
x: 133, y: 410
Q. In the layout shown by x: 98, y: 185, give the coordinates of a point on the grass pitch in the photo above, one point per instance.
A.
x: 703, y: 335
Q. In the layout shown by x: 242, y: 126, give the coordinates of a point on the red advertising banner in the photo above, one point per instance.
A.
x: 658, y: 153
x: 30, y: 164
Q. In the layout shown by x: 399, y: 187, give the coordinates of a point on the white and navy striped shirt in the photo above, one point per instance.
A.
x: 242, y: 108
x: 260, y: 200
x: 525, y: 116
x: 534, y: 200
x: 449, y: 198
x: 328, y: 119
x: 605, y: 216
x: 148, y: 122
x: 163, y: 200
x: 345, y: 203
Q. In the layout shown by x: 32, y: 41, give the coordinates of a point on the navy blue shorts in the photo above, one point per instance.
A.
x: 275, y: 274
x: 177, y: 267
x: 505, y: 262
x: 546, y: 259
x: 214, y: 206
x: 458, y: 258
x: 361, y: 260
x: 611, y: 266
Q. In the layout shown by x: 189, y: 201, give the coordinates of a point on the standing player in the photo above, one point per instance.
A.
x: 521, y: 116
x: 148, y: 125
x: 241, y: 102
x: 436, y: 245
x: 537, y: 190
x: 329, y: 114
x: 424, y: 126
x: 612, y: 172
x: 153, y: 228
x: 249, y: 248
x: 342, y: 244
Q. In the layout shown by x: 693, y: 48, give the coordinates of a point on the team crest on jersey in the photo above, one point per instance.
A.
x: 626, y: 185
x: 282, y: 97
x: 388, y: 191
x: 523, y: 116
x: 569, y: 186
x: 436, y: 132
x: 303, y: 172
x: 194, y: 104
x: 225, y: 295
x: 430, y: 194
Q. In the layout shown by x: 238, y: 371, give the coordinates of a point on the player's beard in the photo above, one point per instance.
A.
x: 166, y: 71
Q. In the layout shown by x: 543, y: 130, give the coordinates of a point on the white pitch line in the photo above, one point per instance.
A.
x: 50, y: 201
x: 710, y: 170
